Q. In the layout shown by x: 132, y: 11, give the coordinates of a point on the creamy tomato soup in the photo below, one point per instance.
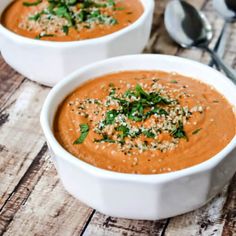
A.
x: 69, y: 20
x: 144, y: 122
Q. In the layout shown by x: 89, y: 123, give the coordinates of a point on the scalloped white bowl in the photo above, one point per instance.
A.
x: 148, y: 197
x: 48, y: 62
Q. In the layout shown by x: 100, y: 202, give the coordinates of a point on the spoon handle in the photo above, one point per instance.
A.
x: 230, y: 73
x: 220, y: 44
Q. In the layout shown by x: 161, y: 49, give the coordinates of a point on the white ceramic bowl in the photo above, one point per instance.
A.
x: 149, y: 197
x: 48, y: 62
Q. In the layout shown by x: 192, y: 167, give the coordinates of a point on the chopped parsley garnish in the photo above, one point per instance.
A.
x: 136, y: 118
x: 124, y: 131
x: 84, y: 130
x: 29, y: 4
x: 179, y: 132
x: 35, y: 17
x: 140, y: 92
x: 137, y: 105
x: 157, y: 110
x: 149, y: 134
x: 76, y: 12
x: 111, y: 3
x: 135, y: 110
x: 196, y: 131
x: 65, y: 29
x: 110, y: 117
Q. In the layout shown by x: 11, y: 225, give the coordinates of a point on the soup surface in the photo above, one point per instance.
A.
x: 70, y: 20
x: 144, y: 122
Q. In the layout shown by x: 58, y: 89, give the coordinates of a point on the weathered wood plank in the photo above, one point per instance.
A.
x: 22, y: 168
x: 105, y: 226
x: 10, y: 80
x: 21, y: 137
x: 230, y: 53
x: 22, y: 190
x: 207, y: 220
x: 229, y: 228
x: 48, y: 209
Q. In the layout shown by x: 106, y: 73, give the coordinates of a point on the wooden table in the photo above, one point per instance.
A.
x: 32, y: 199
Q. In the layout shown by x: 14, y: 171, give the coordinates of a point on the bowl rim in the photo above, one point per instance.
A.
x: 60, y: 152
x: 148, y: 6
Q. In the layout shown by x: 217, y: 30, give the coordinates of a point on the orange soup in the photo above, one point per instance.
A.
x: 144, y: 122
x: 70, y: 20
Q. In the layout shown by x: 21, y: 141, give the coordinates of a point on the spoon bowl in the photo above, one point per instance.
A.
x: 189, y: 27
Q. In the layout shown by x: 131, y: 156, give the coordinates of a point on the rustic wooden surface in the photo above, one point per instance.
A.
x: 32, y: 198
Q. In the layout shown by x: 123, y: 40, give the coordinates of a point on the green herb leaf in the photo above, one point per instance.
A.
x: 29, y: 4
x: 155, y: 98
x: 149, y: 134
x: 65, y: 29
x: 84, y: 130
x: 110, y: 117
x: 156, y: 110
x: 35, y: 17
x: 129, y: 94
x: 174, y: 81
x: 111, y: 3
x: 112, y: 91
x: 196, y: 131
x: 179, y: 132
x: 140, y: 92
x: 124, y: 131
x: 61, y: 11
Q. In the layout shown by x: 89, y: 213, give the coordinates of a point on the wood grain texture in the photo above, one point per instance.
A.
x: 49, y: 209
x: 207, y: 220
x: 105, y: 225
x: 21, y: 137
x: 229, y: 213
x: 22, y: 190
x: 23, y: 164
x: 10, y: 80
x: 33, y: 200
x: 230, y: 54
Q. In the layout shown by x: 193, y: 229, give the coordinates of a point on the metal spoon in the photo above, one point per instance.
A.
x: 190, y: 28
x: 227, y: 9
